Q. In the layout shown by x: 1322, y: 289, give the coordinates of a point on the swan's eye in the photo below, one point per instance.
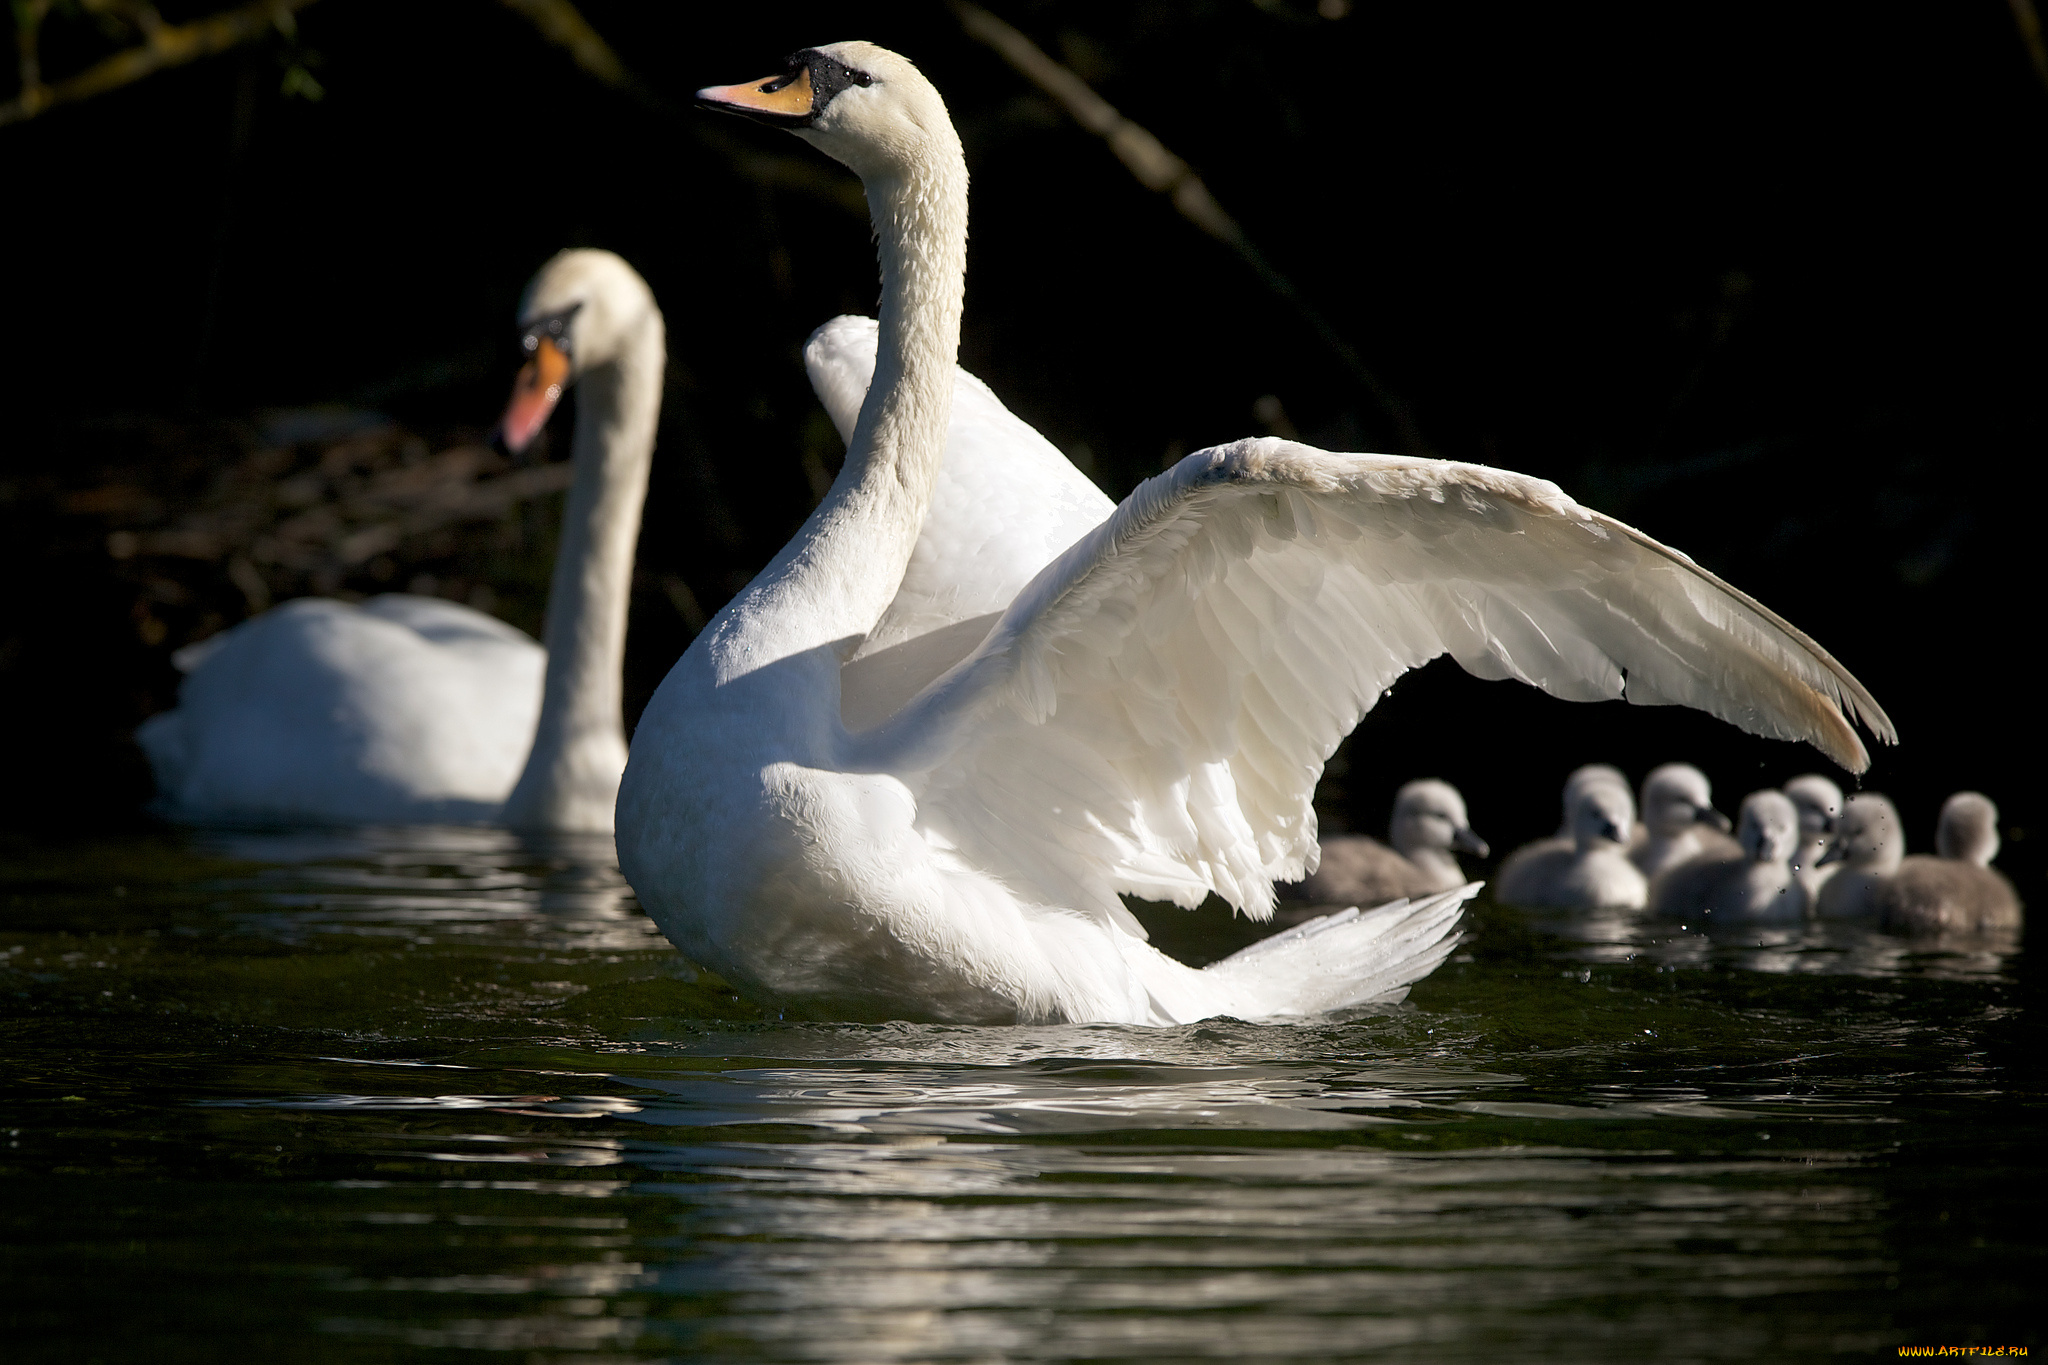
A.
x: 554, y: 327
x: 829, y: 76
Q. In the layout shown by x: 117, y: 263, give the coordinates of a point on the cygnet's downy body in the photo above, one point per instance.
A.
x: 1870, y: 844
x: 1680, y: 822
x: 1759, y: 887
x: 1958, y: 892
x: 1589, y: 775
x: 1819, y: 803
x: 1429, y: 827
x: 1595, y: 872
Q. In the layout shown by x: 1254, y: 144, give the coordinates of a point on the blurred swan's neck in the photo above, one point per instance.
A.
x: 832, y: 583
x: 571, y: 779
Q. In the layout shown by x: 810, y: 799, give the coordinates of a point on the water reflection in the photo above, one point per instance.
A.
x: 1618, y: 936
x: 402, y: 880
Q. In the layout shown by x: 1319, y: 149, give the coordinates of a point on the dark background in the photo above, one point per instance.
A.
x: 1766, y: 282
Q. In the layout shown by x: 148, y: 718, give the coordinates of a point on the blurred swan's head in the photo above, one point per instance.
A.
x: 1431, y: 814
x: 1770, y: 827
x: 1969, y: 829
x: 1818, y: 801
x: 863, y: 106
x: 1602, y: 814
x: 584, y: 310
x: 1675, y: 798
x: 1868, y: 837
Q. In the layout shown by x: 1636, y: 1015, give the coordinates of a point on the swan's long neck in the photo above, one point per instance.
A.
x: 579, y: 746
x: 832, y: 583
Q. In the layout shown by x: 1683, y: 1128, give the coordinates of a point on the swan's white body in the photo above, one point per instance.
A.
x: 408, y: 709
x: 401, y: 709
x: 874, y: 786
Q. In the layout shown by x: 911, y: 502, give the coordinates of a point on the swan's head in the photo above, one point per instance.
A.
x: 1431, y: 814
x: 1868, y: 836
x: 578, y: 314
x: 1818, y: 801
x: 863, y: 106
x: 1603, y: 814
x: 1969, y: 829
x: 1675, y: 798
x: 1770, y: 827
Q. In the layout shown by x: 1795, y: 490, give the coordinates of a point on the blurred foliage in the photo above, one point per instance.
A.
x: 1753, y: 280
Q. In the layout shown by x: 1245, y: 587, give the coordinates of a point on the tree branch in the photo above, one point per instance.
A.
x: 1160, y: 171
x: 560, y: 23
x: 167, y: 45
x: 2028, y: 21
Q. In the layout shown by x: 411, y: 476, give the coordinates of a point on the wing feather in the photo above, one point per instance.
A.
x: 1151, y: 714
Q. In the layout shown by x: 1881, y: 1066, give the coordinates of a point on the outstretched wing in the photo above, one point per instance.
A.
x: 1151, y: 714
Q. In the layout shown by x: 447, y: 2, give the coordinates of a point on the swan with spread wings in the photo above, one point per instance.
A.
x: 909, y: 770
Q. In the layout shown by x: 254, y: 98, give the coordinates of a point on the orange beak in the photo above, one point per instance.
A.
x: 534, y: 395
x: 772, y: 99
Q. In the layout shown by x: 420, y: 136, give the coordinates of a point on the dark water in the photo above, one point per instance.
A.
x: 441, y: 1096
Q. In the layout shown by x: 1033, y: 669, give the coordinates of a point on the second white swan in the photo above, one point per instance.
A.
x: 406, y: 709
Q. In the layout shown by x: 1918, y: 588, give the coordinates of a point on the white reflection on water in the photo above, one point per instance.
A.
x: 1813, y: 948
x: 405, y: 881
x: 946, y: 1249
x: 922, y: 1252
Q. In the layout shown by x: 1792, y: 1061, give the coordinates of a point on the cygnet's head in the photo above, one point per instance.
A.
x: 1594, y: 774
x: 1769, y: 828
x: 1431, y: 814
x: 1675, y: 798
x: 1602, y: 814
x: 1868, y: 837
x: 1818, y: 801
x: 585, y: 310
x: 863, y: 106
x: 1969, y: 829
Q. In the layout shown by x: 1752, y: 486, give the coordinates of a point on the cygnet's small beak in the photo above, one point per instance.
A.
x: 1465, y: 841
x: 1611, y: 832
x: 1833, y: 853
x: 784, y: 101
x: 534, y: 395
x: 1709, y: 816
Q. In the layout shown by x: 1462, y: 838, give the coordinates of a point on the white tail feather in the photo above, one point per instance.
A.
x: 1352, y: 957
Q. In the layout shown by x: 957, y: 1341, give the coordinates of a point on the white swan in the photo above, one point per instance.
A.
x: 1679, y: 821
x: 1594, y: 871
x: 1761, y: 885
x: 1427, y: 829
x: 407, y: 709
x: 945, y: 832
